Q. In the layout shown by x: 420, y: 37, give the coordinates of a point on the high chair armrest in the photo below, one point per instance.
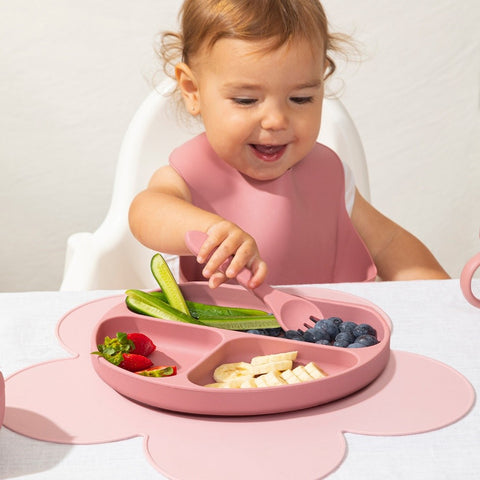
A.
x: 81, y: 263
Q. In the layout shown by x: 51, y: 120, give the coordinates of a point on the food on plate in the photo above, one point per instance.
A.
x: 170, y: 304
x: 276, y: 357
x: 130, y: 351
x: 265, y: 371
x: 142, y: 344
x: 154, y: 305
x: 159, y: 371
x: 130, y: 361
x: 233, y: 371
x: 164, y: 277
x: 204, y: 310
x: 331, y: 331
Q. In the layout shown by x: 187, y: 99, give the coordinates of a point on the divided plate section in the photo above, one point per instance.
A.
x: 198, y: 350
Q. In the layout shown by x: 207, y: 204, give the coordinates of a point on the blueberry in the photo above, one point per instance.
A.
x: 341, y: 343
x: 257, y: 331
x: 322, y: 342
x: 356, y: 345
x: 347, y: 326
x: 336, y: 320
x: 274, y: 332
x: 329, y: 326
x: 347, y: 337
x: 364, y: 329
x: 315, y: 334
x: 366, y: 340
x: 294, y: 335
x: 309, y: 335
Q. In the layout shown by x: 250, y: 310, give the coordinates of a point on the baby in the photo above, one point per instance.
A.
x: 256, y: 181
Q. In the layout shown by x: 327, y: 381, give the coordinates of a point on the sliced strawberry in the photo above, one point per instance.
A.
x: 133, y: 362
x: 159, y: 371
x: 118, y: 350
x: 142, y: 344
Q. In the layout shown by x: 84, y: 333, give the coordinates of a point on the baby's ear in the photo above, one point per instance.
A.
x: 188, y: 85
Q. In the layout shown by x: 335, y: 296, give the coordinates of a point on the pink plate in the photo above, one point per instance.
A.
x: 198, y: 350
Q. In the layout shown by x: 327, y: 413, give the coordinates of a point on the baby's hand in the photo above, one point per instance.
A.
x: 230, y: 241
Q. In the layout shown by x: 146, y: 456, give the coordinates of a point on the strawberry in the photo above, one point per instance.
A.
x: 133, y: 362
x: 159, y: 371
x: 127, y: 351
x: 142, y: 344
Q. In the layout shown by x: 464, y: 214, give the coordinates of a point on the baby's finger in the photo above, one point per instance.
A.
x: 206, y: 250
x: 219, y: 260
x: 259, y: 272
x: 241, y: 260
x: 216, y: 279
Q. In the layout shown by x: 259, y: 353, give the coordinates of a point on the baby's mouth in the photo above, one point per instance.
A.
x: 269, y: 153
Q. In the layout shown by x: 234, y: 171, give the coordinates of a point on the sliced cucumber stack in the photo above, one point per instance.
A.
x: 170, y: 304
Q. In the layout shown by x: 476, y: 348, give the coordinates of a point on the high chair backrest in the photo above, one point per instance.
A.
x: 110, y: 257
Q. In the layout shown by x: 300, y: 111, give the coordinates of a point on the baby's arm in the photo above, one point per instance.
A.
x: 161, y: 215
x: 397, y: 254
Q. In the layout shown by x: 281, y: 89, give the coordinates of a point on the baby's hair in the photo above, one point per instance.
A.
x: 204, y: 22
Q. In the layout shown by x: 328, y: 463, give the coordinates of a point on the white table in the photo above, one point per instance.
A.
x: 429, y: 317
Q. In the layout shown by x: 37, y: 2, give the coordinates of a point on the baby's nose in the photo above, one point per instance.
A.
x: 274, y: 118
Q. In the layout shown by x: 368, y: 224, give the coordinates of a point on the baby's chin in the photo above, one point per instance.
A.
x: 264, y: 174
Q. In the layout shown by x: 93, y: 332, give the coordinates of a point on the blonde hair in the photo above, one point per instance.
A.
x: 204, y: 22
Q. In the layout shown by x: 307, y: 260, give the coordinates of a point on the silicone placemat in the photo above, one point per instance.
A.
x: 68, y: 403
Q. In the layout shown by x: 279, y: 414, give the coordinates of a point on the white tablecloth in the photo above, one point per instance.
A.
x: 429, y: 318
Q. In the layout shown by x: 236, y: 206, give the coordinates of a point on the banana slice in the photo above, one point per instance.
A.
x: 271, y: 367
x: 250, y: 383
x: 290, y: 377
x: 302, y: 374
x: 265, y: 371
x: 274, y: 378
x: 276, y: 357
x: 260, y: 381
x: 314, y: 371
x: 229, y: 371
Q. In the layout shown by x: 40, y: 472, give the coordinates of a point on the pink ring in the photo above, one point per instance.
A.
x: 466, y: 280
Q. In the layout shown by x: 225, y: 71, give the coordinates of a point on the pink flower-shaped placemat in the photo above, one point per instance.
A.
x: 65, y: 401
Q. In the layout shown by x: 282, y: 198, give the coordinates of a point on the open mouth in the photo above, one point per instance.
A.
x: 268, y: 153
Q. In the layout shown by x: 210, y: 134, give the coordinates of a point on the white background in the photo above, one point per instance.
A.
x: 73, y: 73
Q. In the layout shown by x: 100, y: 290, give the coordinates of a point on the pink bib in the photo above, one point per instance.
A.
x: 299, y: 220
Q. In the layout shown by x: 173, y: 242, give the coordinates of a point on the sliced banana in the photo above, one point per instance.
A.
x: 314, y: 371
x: 229, y: 371
x: 250, y: 383
x: 302, y: 374
x: 276, y: 357
x: 274, y: 378
x: 290, y: 377
x: 260, y: 381
x: 271, y: 367
x: 265, y: 371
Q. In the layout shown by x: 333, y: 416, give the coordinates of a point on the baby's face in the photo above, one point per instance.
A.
x: 261, y: 111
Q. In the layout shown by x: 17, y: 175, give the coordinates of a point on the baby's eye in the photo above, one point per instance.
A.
x: 244, y: 101
x: 301, y: 100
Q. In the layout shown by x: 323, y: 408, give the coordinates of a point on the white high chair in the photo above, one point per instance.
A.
x: 110, y: 257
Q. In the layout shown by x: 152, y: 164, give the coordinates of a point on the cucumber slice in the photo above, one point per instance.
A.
x: 241, y: 323
x: 150, y: 304
x: 146, y: 304
x: 204, y: 310
x: 163, y: 275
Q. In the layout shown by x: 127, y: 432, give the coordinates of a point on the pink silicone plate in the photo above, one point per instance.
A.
x: 198, y: 350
